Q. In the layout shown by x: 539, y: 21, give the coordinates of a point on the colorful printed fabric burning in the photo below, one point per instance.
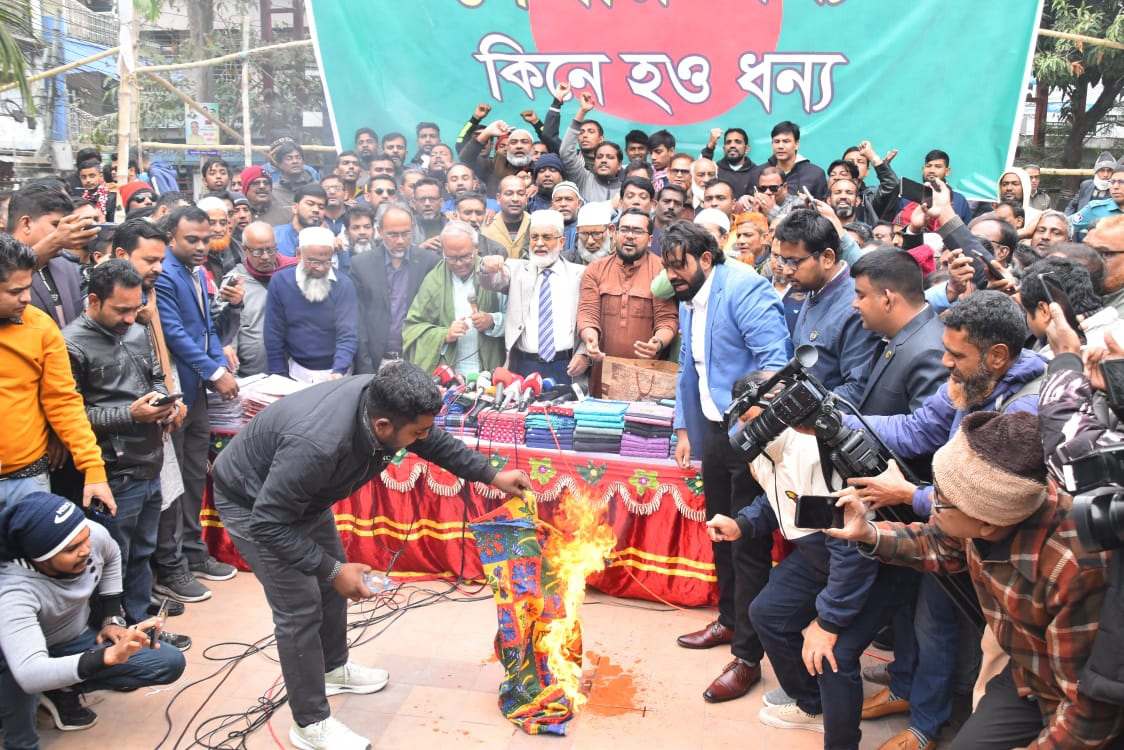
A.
x: 537, y: 573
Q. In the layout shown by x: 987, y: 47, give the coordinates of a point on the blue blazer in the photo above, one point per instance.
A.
x: 190, y: 334
x: 745, y: 331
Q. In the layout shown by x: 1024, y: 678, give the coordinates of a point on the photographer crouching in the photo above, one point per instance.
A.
x: 823, y: 603
x: 1040, y: 590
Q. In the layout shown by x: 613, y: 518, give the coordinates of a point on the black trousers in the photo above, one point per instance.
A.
x: 1003, y: 720
x: 742, y: 567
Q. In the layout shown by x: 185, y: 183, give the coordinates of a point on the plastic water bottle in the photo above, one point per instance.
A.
x: 377, y: 582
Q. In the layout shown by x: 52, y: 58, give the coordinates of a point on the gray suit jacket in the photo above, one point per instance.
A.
x: 368, y: 271
x: 908, y: 370
x: 66, y: 278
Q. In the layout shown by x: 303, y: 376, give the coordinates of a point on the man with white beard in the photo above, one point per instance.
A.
x: 359, y: 230
x: 491, y: 170
x: 595, y: 234
x: 311, y: 314
x: 243, y: 315
x: 843, y: 197
x: 540, y: 330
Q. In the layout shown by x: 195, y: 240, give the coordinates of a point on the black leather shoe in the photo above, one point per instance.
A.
x: 714, y: 634
x: 734, y: 682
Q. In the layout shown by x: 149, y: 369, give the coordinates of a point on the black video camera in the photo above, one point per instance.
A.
x: 1097, y: 481
x: 805, y: 402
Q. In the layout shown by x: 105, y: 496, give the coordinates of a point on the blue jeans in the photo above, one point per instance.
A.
x: 14, y: 490
x: 933, y: 659
x: 786, y: 606
x: 134, y: 529
x: 146, y: 667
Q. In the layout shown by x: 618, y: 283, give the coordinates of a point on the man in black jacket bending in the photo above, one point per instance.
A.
x: 275, y: 484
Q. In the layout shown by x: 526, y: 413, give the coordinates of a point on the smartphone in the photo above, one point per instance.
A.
x: 232, y: 281
x: 171, y: 398
x: 154, y: 632
x: 818, y: 512
x: 917, y: 192
x: 1113, y: 370
x: 807, y: 196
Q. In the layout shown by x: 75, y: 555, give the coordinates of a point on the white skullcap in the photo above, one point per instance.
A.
x: 595, y: 215
x: 566, y: 185
x: 212, y: 203
x: 548, y: 218
x: 316, y: 237
x: 714, y: 216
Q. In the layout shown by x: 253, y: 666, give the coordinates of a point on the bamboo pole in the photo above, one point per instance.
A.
x: 1081, y: 38
x: 224, y: 58
x: 126, y: 89
x: 64, y: 68
x: 155, y: 145
x: 196, y: 106
x: 247, y: 137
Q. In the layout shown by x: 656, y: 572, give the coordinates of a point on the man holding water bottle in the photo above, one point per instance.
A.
x: 275, y: 484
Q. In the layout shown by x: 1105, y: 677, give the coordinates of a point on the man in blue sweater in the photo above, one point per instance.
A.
x: 808, y: 253
x: 311, y: 315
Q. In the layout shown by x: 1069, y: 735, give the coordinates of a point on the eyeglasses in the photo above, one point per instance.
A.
x: 593, y: 234
x: 679, y: 171
x: 453, y: 259
x: 398, y: 235
x: 317, y: 263
x: 791, y: 263
x: 544, y: 237
x: 386, y: 191
x: 1116, y: 183
x: 261, y: 252
x: 770, y: 188
x: 938, y: 507
x: 632, y: 231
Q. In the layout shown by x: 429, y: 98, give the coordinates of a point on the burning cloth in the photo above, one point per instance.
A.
x: 532, y: 619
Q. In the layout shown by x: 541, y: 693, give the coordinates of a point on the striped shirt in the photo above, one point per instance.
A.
x: 1041, y: 593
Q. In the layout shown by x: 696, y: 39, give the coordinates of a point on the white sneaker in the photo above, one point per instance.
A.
x: 790, y: 716
x: 330, y: 734
x: 353, y: 678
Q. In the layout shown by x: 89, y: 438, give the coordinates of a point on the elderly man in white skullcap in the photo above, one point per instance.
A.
x: 311, y: 314
x: 539, y: 327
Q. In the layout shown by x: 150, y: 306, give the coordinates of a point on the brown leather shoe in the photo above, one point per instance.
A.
x: 880, y: 704
x: 714, y: 634
x: 734, y: 682
x: 906, y: 740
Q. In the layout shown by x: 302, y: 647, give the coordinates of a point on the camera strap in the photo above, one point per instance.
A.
x: 826, y: 466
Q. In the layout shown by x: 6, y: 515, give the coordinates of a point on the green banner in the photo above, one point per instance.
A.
x: 912, y: 76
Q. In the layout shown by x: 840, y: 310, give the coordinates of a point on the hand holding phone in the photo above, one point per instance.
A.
x: 157, y: 628
x: 170, y: 398
x: 818, y: 512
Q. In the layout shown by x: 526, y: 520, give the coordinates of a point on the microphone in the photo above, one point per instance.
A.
x: 512, y: 391
x: 445, y: 376
x: 472, y: 302
x: 501, y: 377
x: 532, y: 387
x: 548, y: 383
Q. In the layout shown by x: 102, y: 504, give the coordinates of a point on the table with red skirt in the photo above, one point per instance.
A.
x: 420, y: 512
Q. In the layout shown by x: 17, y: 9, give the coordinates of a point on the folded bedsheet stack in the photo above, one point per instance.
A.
x: 502, y: 427
x: 551, y: 427
x: 599, y: 425
x: 647, y: 431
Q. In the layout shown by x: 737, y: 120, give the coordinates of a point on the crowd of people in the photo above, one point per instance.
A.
x: 969, y: 334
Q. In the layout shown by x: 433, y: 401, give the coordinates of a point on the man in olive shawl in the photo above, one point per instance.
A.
x: 451, y: 321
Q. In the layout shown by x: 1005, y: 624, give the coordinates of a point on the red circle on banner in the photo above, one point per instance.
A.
x: 704, y: 40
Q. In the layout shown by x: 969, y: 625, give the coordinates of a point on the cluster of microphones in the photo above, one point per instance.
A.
x: 498, y: 390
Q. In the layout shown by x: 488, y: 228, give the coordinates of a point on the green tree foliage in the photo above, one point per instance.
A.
x: 1074, y: 67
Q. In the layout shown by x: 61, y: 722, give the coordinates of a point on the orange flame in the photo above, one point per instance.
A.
x: 579, y: 546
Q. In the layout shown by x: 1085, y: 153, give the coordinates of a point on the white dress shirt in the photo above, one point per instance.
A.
x: 562, y: 308
x: 698, y: 308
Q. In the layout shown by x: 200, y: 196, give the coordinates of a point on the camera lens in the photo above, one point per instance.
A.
x: 1100, y: 520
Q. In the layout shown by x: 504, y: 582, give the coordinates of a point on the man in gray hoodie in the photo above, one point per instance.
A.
x: 52, y: 561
